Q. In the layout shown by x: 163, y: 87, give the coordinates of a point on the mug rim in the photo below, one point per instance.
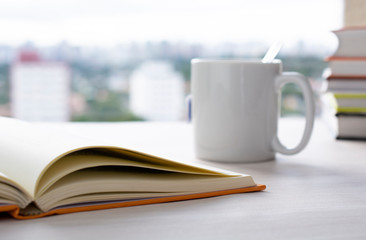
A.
x: 233, y: 60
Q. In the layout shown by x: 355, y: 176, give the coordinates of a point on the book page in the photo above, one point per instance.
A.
x: 26, y: 150
x: 94, y: 157
x: 133, y: 182
x: 11, y: 192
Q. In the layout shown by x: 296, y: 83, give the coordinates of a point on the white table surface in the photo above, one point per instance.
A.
x: 317, y: 194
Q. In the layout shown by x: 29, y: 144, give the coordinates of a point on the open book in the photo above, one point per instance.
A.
x: 43, y: 173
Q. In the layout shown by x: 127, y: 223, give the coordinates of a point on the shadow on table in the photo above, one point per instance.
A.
x: 283, y: 168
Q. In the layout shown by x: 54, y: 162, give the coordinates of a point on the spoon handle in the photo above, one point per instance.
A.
x: 272, y: 52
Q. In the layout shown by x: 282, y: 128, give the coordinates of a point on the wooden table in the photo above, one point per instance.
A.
x: 317, y: 194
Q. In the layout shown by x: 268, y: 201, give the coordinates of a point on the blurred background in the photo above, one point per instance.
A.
x: 130, y: 60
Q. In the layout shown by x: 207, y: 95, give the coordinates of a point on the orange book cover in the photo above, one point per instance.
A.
x: 16, y: 213
x: 344, y: 58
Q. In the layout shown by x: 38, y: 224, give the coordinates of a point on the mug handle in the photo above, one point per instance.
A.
x: 303, y: 83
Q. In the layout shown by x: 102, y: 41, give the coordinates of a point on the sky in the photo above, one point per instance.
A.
x: 111, y: 22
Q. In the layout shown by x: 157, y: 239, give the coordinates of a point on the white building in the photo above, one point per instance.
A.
x: 157, y: 92
x: 40, y: 90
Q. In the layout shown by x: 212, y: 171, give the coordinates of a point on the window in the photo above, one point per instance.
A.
x: 83, y: 60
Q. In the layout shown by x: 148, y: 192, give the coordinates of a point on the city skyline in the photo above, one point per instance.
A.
x: 130, y: 52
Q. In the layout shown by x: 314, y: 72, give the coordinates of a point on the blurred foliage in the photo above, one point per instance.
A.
x: 107, y: 107
x: 183, y: 66
x: 310, y: 66
x: 103, y: 103
x: 4, y: 83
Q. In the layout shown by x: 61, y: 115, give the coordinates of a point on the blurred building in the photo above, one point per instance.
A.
x: 157, y: 92
x: 40, y: 90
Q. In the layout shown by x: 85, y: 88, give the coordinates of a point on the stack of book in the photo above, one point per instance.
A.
x: 347, y: 82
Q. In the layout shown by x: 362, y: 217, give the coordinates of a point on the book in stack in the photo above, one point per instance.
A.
x: 347, y: 82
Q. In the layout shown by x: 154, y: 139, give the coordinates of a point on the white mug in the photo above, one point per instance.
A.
x: 235, y: 109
